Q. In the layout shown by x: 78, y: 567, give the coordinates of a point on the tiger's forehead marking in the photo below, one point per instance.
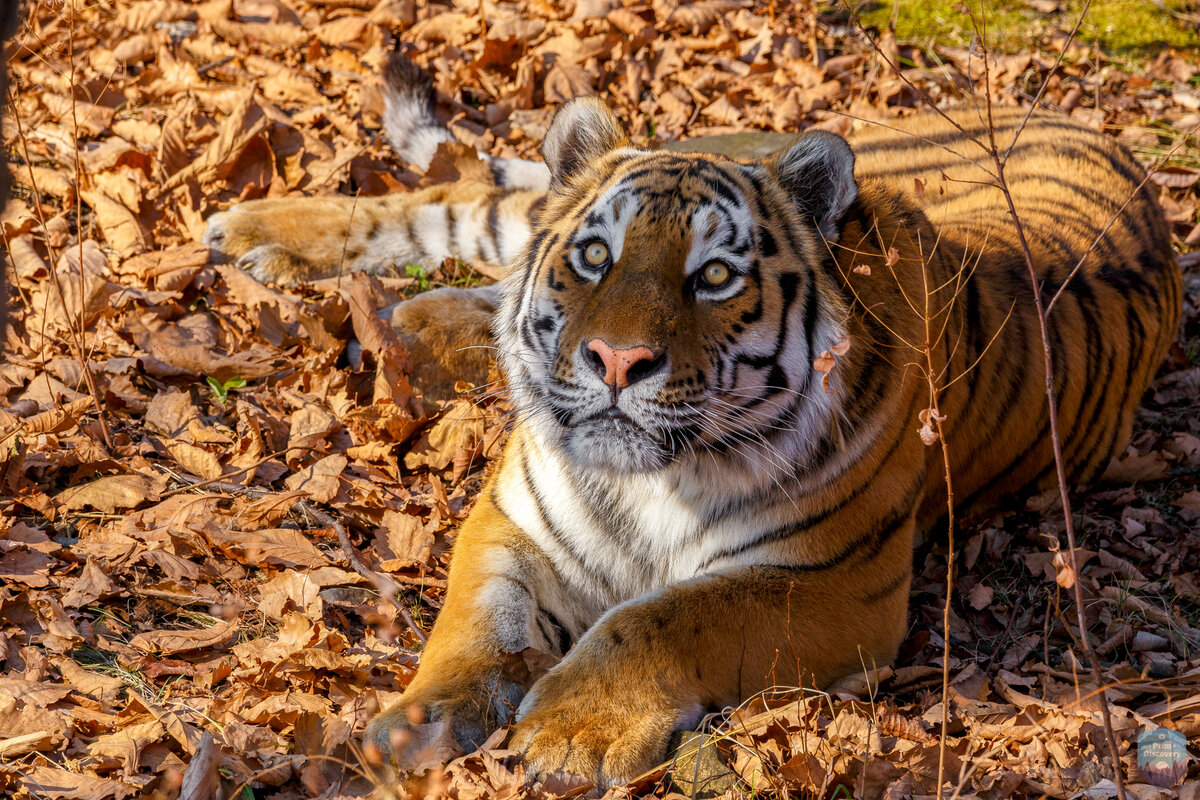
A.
x: 698, y: 193
x: 720, y: 232
x: 609, y: 219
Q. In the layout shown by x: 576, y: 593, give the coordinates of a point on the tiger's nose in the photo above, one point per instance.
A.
x: 621, y: 368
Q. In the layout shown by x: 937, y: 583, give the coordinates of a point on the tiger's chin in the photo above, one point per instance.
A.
x: 615, y: 445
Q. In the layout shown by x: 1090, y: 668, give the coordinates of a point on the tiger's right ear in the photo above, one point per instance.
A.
x: 583, y: 130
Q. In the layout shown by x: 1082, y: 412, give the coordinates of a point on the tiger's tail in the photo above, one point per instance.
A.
x: 412, y: 128
x: 289, y: 240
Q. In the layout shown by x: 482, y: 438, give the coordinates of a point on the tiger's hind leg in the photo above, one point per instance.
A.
x: 449, y: 335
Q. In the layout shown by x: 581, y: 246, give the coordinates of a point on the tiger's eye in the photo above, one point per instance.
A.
x: 595, y: 254
x: 716, y: 274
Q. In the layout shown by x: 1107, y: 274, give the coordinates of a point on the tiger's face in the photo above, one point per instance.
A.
x: 670, y: 306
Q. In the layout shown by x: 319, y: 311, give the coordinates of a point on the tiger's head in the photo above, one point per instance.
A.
x: 669, y: 306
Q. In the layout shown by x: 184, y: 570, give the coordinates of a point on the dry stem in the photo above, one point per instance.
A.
x: 388, y: 588
x: 1051, y: 401
x: 937, y: 419
x: 77, y: 330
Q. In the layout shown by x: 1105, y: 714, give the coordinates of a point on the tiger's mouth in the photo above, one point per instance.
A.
x: 615, y: 415
x: 612, y: 441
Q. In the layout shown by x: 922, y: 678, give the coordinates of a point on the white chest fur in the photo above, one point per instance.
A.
x: 610, y: 537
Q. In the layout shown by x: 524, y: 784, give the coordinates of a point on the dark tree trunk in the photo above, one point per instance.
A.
x: 8, y: 25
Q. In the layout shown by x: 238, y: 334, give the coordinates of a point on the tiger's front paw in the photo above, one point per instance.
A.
x: 416, y: 737
x: 432, y: 727
x: 600, y: 725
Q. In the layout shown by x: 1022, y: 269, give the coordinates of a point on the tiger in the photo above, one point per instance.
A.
x: 723, y: 371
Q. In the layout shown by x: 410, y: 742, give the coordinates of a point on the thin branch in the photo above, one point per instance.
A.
x: 387, y: 588
x: 998, y: 161
x: 1046, y: 83
x: 1117, y: 214
x: 1055, y: 437
x: 227, y: 475
x: 75, y: 334
x: 88, y: 376
x: 925, y: 98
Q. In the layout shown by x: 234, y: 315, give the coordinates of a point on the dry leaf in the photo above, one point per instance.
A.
x: 1132, y: 466
x: 196, y: 460
x: 119, y: 225
x: 460, y: 429
x: 113, y: 493
x: 320, y: 481
x: 280, y: 547
x: 165, y: 642
x: 929, y: 418
x: 980, y: 596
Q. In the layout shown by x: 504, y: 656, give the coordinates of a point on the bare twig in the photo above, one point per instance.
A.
x: 387, y: 588
x: 937, y: 418
x: 83, y: 356
x: 932, y: 430
x: 1117, y: 214
x: 1046, y: 83
x: 226, y: 476
x: 1052, y: 412
x: 998, y: 159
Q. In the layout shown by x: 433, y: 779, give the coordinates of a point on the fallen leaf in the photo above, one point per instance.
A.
x: 113, y: 493
x: 980, y: 596
x: 168, y: 642
x: 91, y: 585
x: 1133, y: 466
x: 59, y: 784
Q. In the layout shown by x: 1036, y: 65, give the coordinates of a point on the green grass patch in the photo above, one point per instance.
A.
x: 1127, y: 28
x: 1138, y: 28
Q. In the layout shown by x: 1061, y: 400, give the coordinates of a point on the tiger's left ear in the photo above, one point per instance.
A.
x: 818, y: 172
x: 582, y: 131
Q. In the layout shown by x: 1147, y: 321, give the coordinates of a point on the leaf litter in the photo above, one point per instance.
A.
x: 177, y: 617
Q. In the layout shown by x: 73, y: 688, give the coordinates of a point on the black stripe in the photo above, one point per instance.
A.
x: 868, y: 544
x: 559, y: 536
x: 1097, y: 375
x: 900, y: 581
x: 535, y: 210
x: 493, y: 227
x: 798, y: 526
x: 561, y: 640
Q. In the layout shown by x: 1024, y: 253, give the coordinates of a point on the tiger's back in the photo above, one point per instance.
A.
x: 1095, y: 232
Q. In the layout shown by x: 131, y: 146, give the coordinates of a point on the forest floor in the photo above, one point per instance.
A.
x: 177, y: 614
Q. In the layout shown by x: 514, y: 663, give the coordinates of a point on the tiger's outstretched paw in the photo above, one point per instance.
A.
x: 605, y: 730
x: 286, y: 240
x: 244, y: 237
x: 416, y: 738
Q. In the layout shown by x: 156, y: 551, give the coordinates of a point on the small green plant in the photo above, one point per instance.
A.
x: 1192, y: 351
x: 221, y: 390
x: 417, y: 272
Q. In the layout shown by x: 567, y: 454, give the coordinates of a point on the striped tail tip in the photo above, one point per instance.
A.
x: 409, y: 121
